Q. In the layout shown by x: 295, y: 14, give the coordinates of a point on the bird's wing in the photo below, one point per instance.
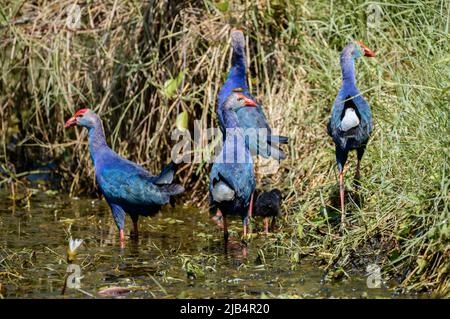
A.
x: 127, y: 186
x: 360, y: 133
x: 253, y: 117
x: 366, y: 123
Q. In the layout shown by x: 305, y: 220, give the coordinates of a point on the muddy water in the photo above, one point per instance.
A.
x: 180, y: 254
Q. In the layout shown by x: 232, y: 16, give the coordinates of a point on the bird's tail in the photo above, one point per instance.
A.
x: 172, y: 189
x: 273, y: 146
x: 166, y: 175
x: 278, y: 139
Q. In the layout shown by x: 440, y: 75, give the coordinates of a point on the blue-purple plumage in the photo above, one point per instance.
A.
x: 349, y: 97
x: 348, y: 132
x: 248, y: 118
x: 232, y: 171
x: 126, y: 186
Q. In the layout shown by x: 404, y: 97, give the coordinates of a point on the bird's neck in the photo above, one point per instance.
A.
x: 238, y: 66
x: 97, y: 141
x: 348, y: 71
x: 237, y: 75
x: 230, y: 119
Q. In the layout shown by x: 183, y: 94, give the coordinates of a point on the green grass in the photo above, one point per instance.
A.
x: 119, y: 65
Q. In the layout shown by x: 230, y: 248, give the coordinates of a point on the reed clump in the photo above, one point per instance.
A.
x: 140, y: 64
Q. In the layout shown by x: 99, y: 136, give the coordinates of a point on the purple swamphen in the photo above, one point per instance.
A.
x: 351, y: 123
x: 252, y: 119
x: 232, y: 180
x: 127, y: 186
x: 268, y: 204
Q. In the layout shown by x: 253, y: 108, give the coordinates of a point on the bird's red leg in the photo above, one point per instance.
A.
x: 122, y: 238
x: 250, y: 209
x: 244, y: 251
x: 244, y: 223
x: 250, y: 213
x: 217, y: 218
x: 266, y: 225
x: 341, y: 191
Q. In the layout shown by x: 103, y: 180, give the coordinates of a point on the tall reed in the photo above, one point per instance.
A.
x: 128, y: 59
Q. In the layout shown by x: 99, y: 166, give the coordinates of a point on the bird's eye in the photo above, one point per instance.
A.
x: 81, y: 115
x: 240, y: 99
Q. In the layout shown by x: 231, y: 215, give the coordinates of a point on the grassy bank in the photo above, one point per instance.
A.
x: 126, y: 61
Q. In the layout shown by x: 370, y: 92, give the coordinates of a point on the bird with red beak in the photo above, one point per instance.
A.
x: 127, y: 187
x: 351, y: 122
x: 232, y: 179
x: 366, y: 51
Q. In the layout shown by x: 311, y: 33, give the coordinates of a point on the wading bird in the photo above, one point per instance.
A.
x: 268, y: 204
x: 251, y: 119
x: 351, y: 124
x: 127, y: 186
x: 232, y: 180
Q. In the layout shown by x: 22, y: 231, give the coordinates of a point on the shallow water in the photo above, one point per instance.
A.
x: 174, y: 247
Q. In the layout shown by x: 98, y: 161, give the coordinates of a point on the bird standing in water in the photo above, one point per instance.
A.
x: 258, y: 134
x: 232, y: 180
x: 127, y: 186
x: 351, y: 123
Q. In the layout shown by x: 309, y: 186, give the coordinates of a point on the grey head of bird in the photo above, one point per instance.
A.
x: 83, y: 117
x: 236, y: 101
x: 356, y: 49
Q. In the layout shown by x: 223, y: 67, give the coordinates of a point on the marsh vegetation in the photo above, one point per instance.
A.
x: 140, y: 64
